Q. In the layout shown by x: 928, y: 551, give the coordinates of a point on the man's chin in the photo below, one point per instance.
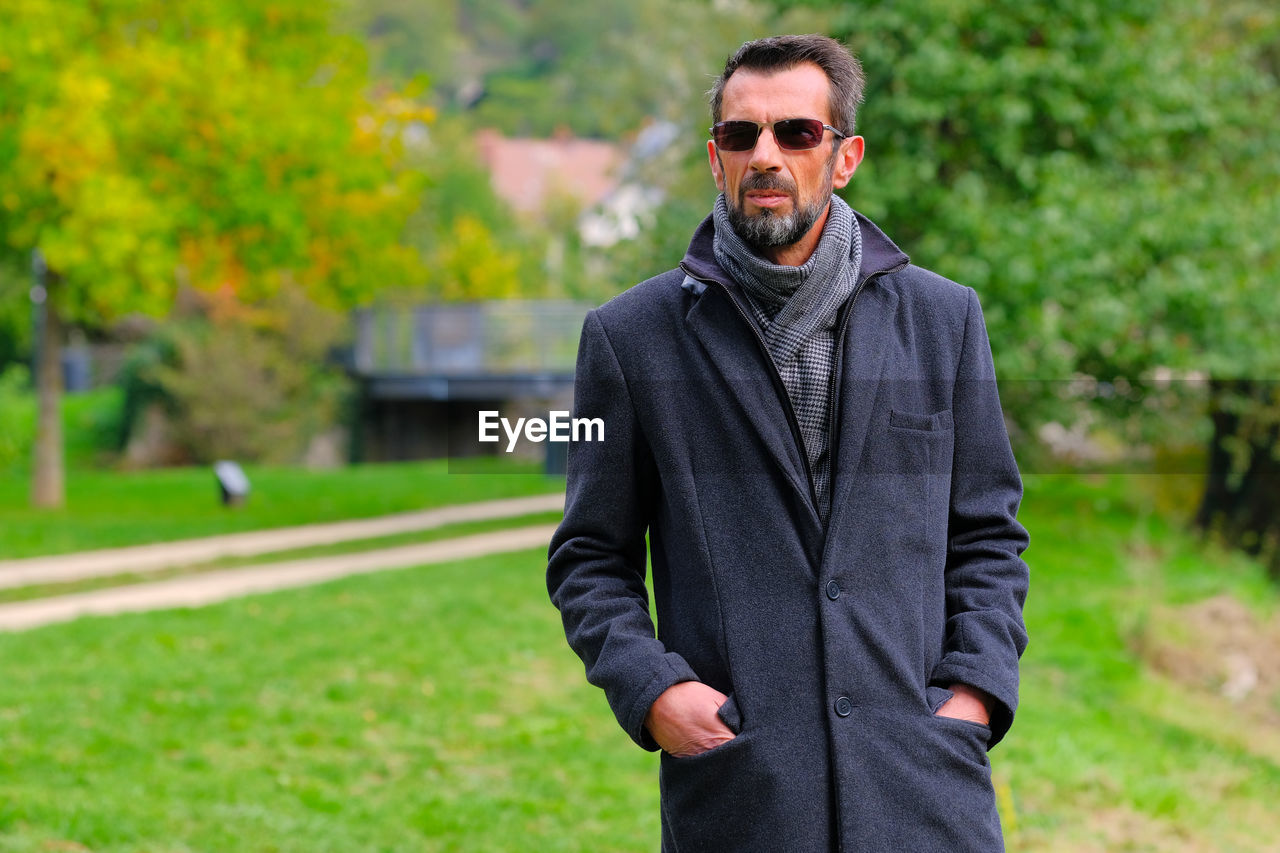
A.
x: 767, y: 227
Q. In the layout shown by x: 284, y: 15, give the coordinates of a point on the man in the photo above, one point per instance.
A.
x: 808, y: 429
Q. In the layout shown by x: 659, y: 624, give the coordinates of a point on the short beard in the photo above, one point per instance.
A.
x: 767, y: 229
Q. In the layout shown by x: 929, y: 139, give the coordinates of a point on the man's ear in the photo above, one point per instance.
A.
x: 717, y: 168
x: 848, y: 156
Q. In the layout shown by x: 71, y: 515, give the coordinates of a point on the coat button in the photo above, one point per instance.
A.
x: 843, y: 706
x: 833, y: 590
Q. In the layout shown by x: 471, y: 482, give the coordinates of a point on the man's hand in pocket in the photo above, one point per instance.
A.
x: 968, y: 703
x: 684, y: 722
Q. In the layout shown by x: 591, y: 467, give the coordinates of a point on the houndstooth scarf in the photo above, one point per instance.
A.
x: 797, y: 308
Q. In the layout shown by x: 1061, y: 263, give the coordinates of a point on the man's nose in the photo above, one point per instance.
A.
x: 766, y: 156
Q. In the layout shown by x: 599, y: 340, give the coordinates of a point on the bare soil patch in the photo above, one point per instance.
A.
x: 1218, y: 645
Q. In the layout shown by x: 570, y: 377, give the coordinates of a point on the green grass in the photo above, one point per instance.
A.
x: 429, y: 709
x: 438, y: 708
x: 1105, y: 753
x: 110, y: 508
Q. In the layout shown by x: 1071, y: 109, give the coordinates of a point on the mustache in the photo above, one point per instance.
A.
x: 766, y: 181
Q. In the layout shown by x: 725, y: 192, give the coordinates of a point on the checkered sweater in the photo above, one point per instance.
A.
x: 797, y: 308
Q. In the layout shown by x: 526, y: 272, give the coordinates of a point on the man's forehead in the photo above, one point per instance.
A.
x: 801, y: 91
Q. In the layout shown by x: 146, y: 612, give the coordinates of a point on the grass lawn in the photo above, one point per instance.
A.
x: 1107, y: 753
x: 110, y: 508
x: 438, y: 708
x: 429, y: 709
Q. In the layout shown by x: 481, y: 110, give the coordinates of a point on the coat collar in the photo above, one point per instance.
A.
x: 879, y: 253
x: 719, y: 325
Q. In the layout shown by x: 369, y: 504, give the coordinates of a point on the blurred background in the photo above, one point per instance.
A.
x: 315, y: 238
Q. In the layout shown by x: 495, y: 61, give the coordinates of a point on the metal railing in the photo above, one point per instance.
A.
x: 505, y: 337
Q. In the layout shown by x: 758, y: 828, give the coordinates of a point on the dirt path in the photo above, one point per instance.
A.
x: 207, y: 588
x: 166, y: 555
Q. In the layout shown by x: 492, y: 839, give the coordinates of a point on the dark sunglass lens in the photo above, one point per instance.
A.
x: 736, y: 135
x: 798, y: 133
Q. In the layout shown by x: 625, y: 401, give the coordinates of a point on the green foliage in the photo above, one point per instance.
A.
x: 1092, y: 168
x: 15, y: 313
x: 538, y: 69
x: 541, y: 68
x: 90, y: 421
x: 17, y: 413
x: 224, y: 145
x: 472, y: 244
x: 457, y: 184
x: 139, y: 390
x: 661, y: 246
x: 533, y: 68
x: 92, y: 426
x: 247, y: 386
x: 471, y: 262
x: 1103, y: 174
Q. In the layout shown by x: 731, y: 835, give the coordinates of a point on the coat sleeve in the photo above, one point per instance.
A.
x: 986, y: 579
x: 596, y: 561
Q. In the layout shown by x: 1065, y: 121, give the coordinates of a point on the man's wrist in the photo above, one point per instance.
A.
x: 968, y: 703
x: 988, y: 701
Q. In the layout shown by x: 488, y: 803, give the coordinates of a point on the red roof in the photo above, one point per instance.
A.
x: 528, y: 173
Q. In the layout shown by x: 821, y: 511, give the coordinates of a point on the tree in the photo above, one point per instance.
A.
x: 532, y: 67
x: 1102, y: 172
x: 227, y: 145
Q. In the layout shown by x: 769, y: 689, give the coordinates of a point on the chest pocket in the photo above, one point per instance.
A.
x: 921, y: 447
x: 939, y: 422
x: 919, y: 443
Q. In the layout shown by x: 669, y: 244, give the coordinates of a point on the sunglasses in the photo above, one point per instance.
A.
x: 791, y: 134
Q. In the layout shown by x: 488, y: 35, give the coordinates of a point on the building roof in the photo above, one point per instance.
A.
x: 529, y: 173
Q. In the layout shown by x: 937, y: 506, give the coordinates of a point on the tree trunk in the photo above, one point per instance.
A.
x: 1241, y: 500
x: 1218, y: 501
x: 48, y: 488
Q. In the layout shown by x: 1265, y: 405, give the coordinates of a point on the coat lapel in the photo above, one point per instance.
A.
x: 719, y: 325
x: 865, y: 346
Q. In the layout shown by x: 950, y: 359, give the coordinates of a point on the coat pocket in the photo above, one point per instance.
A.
x: 703, y: 796
x: 937, y: 697
x: 969, y: 730
x: 731, y: 715
x: 937, y: 422
x: 926, y: 783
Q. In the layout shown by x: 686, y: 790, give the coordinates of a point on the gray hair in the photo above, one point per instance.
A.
x: 782, y: 53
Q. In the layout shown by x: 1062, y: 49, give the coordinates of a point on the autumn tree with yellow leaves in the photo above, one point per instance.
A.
x: 230, y: 146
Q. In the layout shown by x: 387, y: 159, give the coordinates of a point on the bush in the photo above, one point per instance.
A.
x: 253, y: 385
x: 17, y: 415
x: 90, y: 422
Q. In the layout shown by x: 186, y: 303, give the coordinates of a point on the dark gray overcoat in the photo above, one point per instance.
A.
x: 835, y: 642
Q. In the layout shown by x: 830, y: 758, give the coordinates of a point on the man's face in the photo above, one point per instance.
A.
x: 776, y: 196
